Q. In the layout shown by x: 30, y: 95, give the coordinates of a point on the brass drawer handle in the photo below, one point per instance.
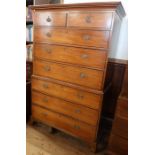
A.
x: 47, y: 68
x: 88, y: 19
x: 86, y: 37
x: 84, y: 56
x: 48, y: 50
x: 82, y: 75
x: 45, y: 100
x: 48, y: 19
x: 45, y: 85
x: 48, y: 34
x: 78, y: 111
x: 80, y: 96
x: 77, y: 127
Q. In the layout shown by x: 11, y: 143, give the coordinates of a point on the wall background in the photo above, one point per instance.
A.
x: 122, y: 48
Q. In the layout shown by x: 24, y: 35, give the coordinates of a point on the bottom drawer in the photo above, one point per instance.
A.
x: 76, y: 111
x: 74, y: 127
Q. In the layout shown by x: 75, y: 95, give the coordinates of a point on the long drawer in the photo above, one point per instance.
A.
x: 76, y: 111
x: 67, y: 124
x: 72, y: 37
x: 87, y: 19
x: 79, y: 56
x: 68, y: 73
x: 49, y: 18
x: 67, y: 93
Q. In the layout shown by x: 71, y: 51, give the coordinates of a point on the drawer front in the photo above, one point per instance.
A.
x: 81, y: 97
x: 76, y: 111
x: 48, y: 18
x: 99, y: 20
x: 82, y: 76
x: 79, y: 56
x: 67, y: 124
x: 120, y: 127
x: 72, y: 37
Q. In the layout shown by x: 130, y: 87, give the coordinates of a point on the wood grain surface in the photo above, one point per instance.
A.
x: 68, y: 73
x: 99, y: 39
x: 49, y: 18
x: 76, y: 111
x: 87, y: 19
x: 40, y: 142
x: 79, y: 56
x: 67, y: 124
x: 67, y: 93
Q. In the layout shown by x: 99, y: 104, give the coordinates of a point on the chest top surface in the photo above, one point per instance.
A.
x: 111, y: 6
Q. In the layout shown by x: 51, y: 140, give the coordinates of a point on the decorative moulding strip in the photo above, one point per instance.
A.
x: 106, y: 5
x: 118, y: 61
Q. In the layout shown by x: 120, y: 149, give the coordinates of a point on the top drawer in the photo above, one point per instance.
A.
x: 48, y: 18
x: 97, y: 20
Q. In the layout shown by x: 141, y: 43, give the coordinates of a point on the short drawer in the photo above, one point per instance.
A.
x: 98, y: 20
x: 73, y: 74
x: 72, y: 37
x: 76, y: 111
x: 49, y: 18
x: 67, y: 124
x: 120, y: 127
x: 79, y: 56
x: 67, y: 93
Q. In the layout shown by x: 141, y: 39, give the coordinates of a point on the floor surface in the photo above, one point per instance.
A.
x: 39, y: 141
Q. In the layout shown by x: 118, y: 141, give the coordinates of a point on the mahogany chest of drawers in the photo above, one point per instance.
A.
x: 71, y: 44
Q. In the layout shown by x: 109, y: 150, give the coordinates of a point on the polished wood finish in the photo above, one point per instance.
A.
x: 70, y: 85
x: 114, y: 78
x: 67, y: 73
x: 64, y: 123
x: 118, y: 146
x: 122, y: 108
x: 49, y: 18
x: 67, y: 93
x: 29, y: 70
x: 96, y: 19
x: 78, y: 56
x: 71, y: 51
x: 113, y: 6
x: 118, y: 61
x: 118, y: 142
x: 28, y: 100
x: 76, y: 111
x: 72, y: 37
x: 124, y: 92
x: 120, y: 127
